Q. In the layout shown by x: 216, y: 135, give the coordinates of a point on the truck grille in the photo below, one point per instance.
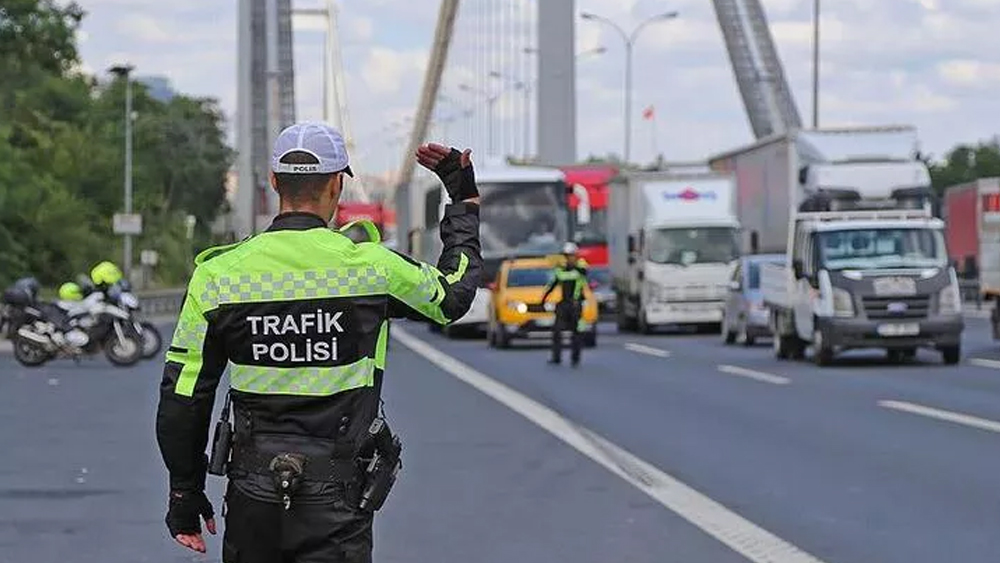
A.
x: 536, y: 308
x: 694, y: 293
x: 917, y: 307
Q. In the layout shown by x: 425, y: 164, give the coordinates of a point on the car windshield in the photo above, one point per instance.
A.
x: 882, y: 248
x: 593, y: 232
x: 528, y: 277
x: 698, y: 245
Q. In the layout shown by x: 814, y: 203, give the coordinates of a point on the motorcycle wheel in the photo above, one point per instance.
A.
x: 152, y: 342
x: 29, y: 353
x: 123, y: 353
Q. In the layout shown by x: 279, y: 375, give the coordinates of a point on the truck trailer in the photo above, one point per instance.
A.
x: 972, y: 219
x: 673, y: 239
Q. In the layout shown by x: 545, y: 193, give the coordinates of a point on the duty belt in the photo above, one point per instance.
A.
x: 324, y: 468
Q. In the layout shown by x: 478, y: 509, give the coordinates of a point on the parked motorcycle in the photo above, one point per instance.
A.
x: 152, y: 342
x: 48, y: 331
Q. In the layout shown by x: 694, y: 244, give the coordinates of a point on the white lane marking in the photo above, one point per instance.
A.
x: 984, y: 363
x: 648, y: 350
x: 754, y: 374
x: 948, y: 416
x: 741, y: 535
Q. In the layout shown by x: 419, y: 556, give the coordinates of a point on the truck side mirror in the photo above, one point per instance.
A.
x: 631, y: 244
x: 797, y: 269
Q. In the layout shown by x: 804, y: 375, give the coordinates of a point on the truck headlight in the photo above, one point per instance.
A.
x: 550, y: 306
x: 843, y: 304
x: 518, y: 306
x: 949, y: 300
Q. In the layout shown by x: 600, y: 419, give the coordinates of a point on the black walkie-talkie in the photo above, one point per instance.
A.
x: 222, y: 442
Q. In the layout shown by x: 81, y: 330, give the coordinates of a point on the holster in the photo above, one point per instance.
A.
x: 381, y: 468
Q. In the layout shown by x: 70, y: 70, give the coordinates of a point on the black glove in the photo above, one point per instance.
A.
x: 460, y: 183
x: 186, y: 510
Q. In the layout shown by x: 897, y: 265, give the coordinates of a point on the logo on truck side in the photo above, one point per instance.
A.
x: 689, y: 194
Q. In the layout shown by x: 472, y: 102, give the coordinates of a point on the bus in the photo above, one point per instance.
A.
x: 524, y: 213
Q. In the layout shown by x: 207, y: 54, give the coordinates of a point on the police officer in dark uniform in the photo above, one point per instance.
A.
x: 300, y: 314
x: 570, y: 278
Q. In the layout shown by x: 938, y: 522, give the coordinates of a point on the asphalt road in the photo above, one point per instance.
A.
x: 860, y: 462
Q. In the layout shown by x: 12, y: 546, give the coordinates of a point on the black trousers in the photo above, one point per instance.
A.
x: 264, y: 532
x: 567, y: 319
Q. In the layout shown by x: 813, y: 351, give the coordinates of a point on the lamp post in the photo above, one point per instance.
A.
x: 124, y: 71
x: 629, y: 40
x: 815, y: 69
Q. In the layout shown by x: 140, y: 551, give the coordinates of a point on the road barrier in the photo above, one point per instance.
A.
x: 161, y: 302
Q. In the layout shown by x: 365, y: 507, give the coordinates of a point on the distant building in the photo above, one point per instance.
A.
x: 159, y: 87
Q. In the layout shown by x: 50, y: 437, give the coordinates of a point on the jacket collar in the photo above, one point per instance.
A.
x: 297, y: 221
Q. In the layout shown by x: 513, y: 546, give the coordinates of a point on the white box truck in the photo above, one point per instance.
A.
x: 866, y: 260
x: 672, y: 240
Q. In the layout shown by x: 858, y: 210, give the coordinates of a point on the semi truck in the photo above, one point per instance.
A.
x: 673, y: 239
x: 972, y: 219
x: 524, y: 213
x: 866, y: 262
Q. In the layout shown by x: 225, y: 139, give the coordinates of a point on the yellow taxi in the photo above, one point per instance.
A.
x: 516, y: 310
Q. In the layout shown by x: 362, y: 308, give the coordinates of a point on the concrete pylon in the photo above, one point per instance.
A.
x: 556, y: 82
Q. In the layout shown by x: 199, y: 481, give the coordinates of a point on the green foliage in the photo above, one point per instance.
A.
x: 62, y: 157
x: 966, y: 163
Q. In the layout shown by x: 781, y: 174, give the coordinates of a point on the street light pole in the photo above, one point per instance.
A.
x: 815, y: 69
x: 629, y: 40
x: 125, y: 71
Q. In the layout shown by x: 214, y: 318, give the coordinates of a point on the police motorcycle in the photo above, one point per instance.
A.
x: 120, y: 294
x: 70, y: 328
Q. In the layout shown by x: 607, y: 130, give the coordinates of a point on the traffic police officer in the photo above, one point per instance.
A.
x: 570, y: 277
x: 300, y: 314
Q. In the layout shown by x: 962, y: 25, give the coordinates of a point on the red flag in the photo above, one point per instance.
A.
x: 648, y: 113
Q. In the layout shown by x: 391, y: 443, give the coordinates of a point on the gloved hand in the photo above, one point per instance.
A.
x: 454, y: 168
x: 184, y: 515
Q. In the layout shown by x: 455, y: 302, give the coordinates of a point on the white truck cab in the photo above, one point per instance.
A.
x: 673, y: 240
x: 867, y: 267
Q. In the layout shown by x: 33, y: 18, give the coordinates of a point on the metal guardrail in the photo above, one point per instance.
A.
x: 161, y: 302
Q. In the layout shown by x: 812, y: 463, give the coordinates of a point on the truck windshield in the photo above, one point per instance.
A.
x: 522, y: 218
x: 594, y: 232
x: 699, y: 245
x: 881, y: 248
x: 528, y: 277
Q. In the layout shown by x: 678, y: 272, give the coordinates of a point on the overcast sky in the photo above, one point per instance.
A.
x: 931, y: 63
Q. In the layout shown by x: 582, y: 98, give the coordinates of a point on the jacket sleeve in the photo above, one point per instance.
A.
x: 195, y: 362
x: 549, y: 287
x: 444, y: 293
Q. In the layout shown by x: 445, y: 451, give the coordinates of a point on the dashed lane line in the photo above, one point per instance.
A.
x: 739, y: 534
x: 939, y: 414
x: 754, y: 374
x: 648, y: 350
x: 984, y: 363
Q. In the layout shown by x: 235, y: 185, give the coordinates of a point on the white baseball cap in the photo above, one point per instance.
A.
x: 317, y: 139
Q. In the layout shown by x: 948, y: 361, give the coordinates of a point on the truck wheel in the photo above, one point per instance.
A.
x: 781, y: 346
x: 644, y: 327
x: 951, y: 354
x: 625, y: 322
x: 822, y: 353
